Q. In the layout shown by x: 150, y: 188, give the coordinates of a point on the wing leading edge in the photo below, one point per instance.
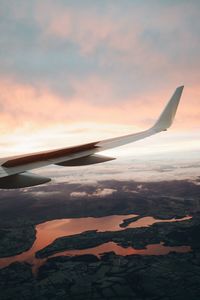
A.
x: 13, y: 170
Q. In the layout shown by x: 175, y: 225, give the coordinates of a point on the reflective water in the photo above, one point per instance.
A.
x: 47, y: 232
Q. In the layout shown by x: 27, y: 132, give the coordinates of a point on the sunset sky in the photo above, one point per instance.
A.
x: 79, y: 71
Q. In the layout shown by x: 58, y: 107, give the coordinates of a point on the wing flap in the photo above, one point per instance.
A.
x: 84, y: 161
x: 47, y: 155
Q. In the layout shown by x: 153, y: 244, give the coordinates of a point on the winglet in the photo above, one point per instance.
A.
x: 167, y: 116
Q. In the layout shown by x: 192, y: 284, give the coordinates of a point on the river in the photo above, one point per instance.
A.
x: 47, y: 232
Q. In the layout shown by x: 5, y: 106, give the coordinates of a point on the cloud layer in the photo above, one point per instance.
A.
x: 111, y: 62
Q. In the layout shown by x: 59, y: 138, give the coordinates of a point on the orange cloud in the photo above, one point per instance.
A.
x: 33, y: 120
x: 120, y: 67
x: 24, y: 105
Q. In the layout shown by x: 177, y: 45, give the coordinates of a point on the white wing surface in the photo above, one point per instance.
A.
x: 14, y: 170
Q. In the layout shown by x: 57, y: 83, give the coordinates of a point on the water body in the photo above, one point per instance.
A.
x: 47, y: 232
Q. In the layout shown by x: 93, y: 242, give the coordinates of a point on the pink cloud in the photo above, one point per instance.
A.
x: 24, y: 105
x: 86, y: 29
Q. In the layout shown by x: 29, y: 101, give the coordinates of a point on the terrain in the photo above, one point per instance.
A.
x: 106, y: 276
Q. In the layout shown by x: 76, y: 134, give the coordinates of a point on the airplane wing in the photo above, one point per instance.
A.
x: 14, y: 171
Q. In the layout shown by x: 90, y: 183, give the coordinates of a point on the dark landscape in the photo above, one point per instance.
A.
x: 172, y: 274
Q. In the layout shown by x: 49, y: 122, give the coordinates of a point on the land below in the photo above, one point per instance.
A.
x: 108, y: 276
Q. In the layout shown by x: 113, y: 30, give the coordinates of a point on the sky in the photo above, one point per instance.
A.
x: 79, y: 71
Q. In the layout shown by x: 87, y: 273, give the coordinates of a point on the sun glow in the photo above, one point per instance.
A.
x: 27, y: 140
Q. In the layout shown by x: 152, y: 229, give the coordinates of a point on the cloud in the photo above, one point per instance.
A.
x: 131, y: 47
x: 43, y: 193
x: 78, y: 194
x: 100, y: 192
x: 103, y: 192
x: 103, y: 62
x: 34, y: 119
x: 34, y: 107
